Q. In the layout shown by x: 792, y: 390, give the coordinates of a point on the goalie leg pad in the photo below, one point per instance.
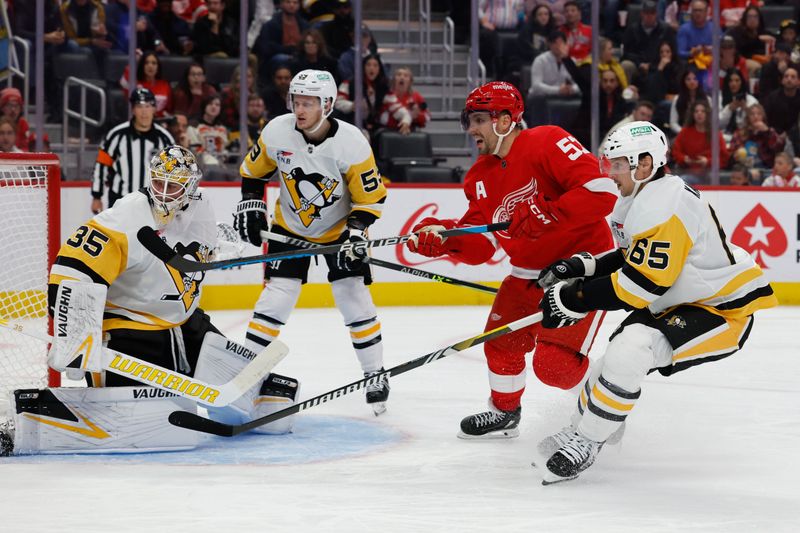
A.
x: 358, y: 310
x: 276, y: 393
x: 89, y: 420
x: 272, y: 310
x: 220, y: 361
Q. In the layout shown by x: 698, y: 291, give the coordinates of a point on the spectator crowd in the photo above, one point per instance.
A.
x: 284, y: 38
x: 655, y: 60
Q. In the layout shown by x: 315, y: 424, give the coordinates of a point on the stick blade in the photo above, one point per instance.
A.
x: 195, y: 422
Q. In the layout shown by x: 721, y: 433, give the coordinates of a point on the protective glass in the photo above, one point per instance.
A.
x: 468, y: 117
x: 618, y: 165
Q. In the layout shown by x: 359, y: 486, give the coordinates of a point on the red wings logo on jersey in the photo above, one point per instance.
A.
x: 760, y: 234
x: 506, y: 207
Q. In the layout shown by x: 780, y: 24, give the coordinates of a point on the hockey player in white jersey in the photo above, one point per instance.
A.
x: 148, y: 310
x: 692, y: 293
x: 330, y: 191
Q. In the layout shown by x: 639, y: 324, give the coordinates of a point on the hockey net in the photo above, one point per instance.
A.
x: 29, y: 242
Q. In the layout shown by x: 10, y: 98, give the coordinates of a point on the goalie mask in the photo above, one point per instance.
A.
x: 632, y: 141
x: 174, y: 177
x: 317, y: 83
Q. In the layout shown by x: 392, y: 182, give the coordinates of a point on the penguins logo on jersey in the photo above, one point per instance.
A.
x: 310, y: 193
x: 676, y: 321
x: 188, y: 285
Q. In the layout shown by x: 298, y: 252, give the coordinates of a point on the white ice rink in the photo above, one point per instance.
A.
x: 715, y: 448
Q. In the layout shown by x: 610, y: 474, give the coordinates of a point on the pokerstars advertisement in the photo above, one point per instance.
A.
x: 766, y: 223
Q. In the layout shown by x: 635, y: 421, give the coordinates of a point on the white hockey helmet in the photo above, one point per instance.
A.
x: 174, y: 177
x: 319, y: 83
x: 631, y: 141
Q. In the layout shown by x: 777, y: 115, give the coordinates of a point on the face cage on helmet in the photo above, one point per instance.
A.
x: 168, y: 202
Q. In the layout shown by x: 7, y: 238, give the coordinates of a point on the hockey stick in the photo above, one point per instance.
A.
x: 385, y: 264
x: 153, y: 243
x: 174, y: 382
x: 195, y: 422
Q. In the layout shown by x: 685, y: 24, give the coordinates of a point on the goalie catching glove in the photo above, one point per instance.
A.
x: 578, y: 266
x: 561, y: 306
x: 250, y: 218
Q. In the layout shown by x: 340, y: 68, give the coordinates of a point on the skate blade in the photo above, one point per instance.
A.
x: 551, y: 479
x: 502, y: 434
x: 378, y: 408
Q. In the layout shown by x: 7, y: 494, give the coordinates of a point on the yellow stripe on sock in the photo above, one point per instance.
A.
x: 610, y: 401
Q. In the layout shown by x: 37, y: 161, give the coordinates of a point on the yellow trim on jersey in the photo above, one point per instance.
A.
x: 102, y: 250
x: 257, y: 163
x: 129, y: 323
x: 264, y: 329
x: 653, y: 262
x: 737, y: 282
x: 626, y: 296
x: 124, y: 323
x: 366, y: 186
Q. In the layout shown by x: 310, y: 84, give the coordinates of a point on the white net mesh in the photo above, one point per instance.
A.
x: 23, y: 273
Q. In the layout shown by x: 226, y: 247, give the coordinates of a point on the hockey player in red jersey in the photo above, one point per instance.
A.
x: 549, y: 187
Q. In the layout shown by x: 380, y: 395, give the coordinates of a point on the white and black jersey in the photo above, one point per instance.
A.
x: 123, y: 159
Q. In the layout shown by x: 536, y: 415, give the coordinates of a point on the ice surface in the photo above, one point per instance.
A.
x: 714, y: 448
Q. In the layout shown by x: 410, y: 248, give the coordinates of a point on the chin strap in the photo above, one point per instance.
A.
x: 637, y: 184
x: 324, y: 116
x: 501, y: 136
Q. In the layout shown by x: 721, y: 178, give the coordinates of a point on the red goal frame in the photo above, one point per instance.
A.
x: 53, y: 165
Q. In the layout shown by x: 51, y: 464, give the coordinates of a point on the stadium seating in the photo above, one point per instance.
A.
x: 219, y: 70
x: 430, y: 174
x: 396, y: 152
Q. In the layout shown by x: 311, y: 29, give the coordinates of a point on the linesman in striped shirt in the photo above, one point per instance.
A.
x: 124, y: 154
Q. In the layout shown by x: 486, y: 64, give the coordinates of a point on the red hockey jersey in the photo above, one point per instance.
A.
x: 549, y: 162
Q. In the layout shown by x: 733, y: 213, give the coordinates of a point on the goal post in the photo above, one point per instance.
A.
x: 29, y: 242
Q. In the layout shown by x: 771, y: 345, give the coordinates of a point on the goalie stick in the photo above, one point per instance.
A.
x: 195, y: 422
x: 386, y: 264
x: 153, y: 243
x: 174, y: 382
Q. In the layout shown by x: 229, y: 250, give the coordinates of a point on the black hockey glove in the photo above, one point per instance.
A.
x: 352, y: 258
x: 561, y: 307
x: 250, y: 219
x: 578, y: 266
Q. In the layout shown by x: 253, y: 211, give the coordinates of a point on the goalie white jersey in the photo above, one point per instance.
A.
x: 143, y: 292
x: 320, y: 184
x: 678, y: 253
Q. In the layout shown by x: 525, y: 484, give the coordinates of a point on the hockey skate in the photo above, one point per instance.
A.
x: 377, y: 393
x: 571, y: 459
x: 491, y: 424
x: 550, y: 444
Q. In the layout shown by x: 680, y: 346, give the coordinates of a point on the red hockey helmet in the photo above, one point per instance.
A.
x: 493, y: 98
